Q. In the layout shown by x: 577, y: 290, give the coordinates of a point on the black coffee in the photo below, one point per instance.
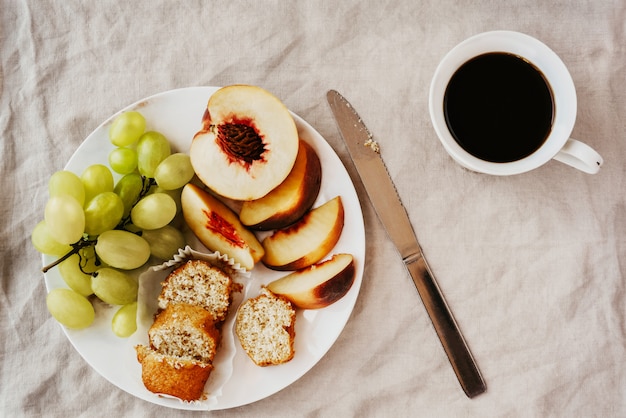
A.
x: 498, y: 107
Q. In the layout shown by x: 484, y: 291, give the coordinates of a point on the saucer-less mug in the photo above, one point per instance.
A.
x: 504, y: 103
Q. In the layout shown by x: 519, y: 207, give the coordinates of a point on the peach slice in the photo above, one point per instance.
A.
x: 247, y: 145
x: 218, y: 227
x: 288, y: 202
x: 307, y: 241
x: 319, y: 285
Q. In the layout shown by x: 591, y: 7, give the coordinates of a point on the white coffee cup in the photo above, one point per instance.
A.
x: 558, y: 145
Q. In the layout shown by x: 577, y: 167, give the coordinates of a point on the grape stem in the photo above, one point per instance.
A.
x: 76, y: 247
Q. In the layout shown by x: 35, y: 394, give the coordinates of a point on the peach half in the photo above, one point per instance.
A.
x: 247, y: 144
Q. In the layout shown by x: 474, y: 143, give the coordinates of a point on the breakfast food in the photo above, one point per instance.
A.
x: 319, y: 285
x: 122, y: 249
x: 184, y: 339
x: 186, y: 331
x: 266, y: 329
x: 307, y: 241
x: 185, y: 335
x: 247, y: 145
x: 175, y: 376
x: 288, y: 202
x: 218, y: 227
x: 199, y: 283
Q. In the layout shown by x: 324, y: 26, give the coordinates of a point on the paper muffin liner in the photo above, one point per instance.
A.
x: 147, y: 306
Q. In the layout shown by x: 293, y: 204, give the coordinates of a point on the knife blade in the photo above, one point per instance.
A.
x: 365, y: 154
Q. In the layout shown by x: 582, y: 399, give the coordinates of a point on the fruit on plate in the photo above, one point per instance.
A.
x: 289, y: 201
x: 124, y: 322
x: 114, y: 287
x: 122, y: 249
x: 64, y: 219
x: 218, y: 227
x: 247, y: 145
x: 96, y: 228
x: 319, y: 285
x: 126, y: 128
x: 70, y: 308
x: 307, y: 241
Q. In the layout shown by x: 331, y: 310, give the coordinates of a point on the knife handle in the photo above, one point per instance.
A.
x: 447, y: 330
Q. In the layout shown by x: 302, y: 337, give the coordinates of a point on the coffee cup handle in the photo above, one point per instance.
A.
x: 580, y: 155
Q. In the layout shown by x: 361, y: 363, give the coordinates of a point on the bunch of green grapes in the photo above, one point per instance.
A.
x: 100, y: 229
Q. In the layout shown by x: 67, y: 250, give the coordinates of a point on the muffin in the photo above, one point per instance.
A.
x: 199, y: 283
x: 266, y: 328
x: 185, y: 331
x: 185, y: 335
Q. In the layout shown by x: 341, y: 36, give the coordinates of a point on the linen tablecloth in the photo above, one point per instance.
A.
x: 533, y: 266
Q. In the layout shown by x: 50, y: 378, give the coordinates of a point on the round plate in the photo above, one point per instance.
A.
x: 177, y: 114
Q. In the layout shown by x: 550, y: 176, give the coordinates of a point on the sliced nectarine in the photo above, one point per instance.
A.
x: 319, y: 285
x: 307, y: 241
x: 288, y: 202
x: 218, y: 227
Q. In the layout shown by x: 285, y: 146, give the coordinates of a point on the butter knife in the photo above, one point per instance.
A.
x: 365, y: 154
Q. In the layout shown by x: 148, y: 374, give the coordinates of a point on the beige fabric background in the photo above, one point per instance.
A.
x: 533, y: 266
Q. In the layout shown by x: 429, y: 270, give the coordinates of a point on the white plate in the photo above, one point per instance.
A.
x: 178, y: 114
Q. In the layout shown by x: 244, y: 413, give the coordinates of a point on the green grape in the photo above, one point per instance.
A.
x: 174, y: 172
x: 174, y: 194
x: 128, y: 188
x: 66, y: 182
x: 74, y: 277
x: 103, y: 213
x: 114, y: 287
x: 124, y: 322
x: 70, y: 308
x: 153, y: 211
x: 152, y: 148
x: 45, y: 244
x: 127, y: 128
x: 123, y: 160
x: 122, y: 249
x: 164, y: 242
x: 65, y: 219
x: 97, y: 179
